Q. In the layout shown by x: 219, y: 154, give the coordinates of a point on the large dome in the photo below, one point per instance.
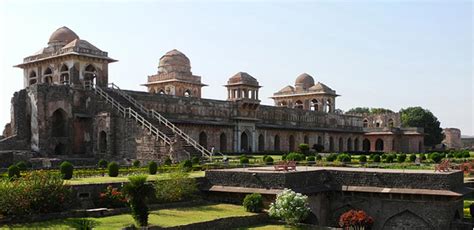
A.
x: 174, y: 61
x: 63, y: 35
x: 305, y: 81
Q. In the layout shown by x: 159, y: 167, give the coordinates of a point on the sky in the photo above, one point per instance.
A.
x: 390, y: 54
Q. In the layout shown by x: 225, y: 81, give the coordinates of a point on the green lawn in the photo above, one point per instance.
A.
x: 163, y: 218
x: 281, y: 227
x: 107, y: 179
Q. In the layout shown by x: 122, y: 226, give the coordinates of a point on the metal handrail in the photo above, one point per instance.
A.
x: 152, y: 113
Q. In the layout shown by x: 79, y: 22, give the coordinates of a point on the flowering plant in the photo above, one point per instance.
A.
x: 290, y: 206
x: 355, y: 219
x: 112, y: 198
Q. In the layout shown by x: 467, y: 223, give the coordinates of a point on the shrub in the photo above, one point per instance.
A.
x: 167, y: 161
x: 384, y: 156
x: 268, y: 160
x: 304, y: 148
x: 466, y: 154
x: 136, y: 163
x: 354, y: 219
x: 401, y: 158
x: 83, y: 224
x: 318, y: 148
x: 283, y: 157
x: 67, y: 170
x: 423, y: 157
x: 187, y: 165
x: 363, y: 159
x: 295, y: 157
x: 152, y: 167
x: 244, y: 160
x: 376, y: 158
x: 253, y: 202
x: 412, y: 157
x: 390, y: 158
x: 113, y: 169
x: 22, y: 165
x: 311, y: 159
x: 112, y: 198
x: 176, y: 187
x: 332, y: 157
x: 344, y: 158
x: 102, y: 163
x: 436, y: 157
x: 138, y: 191
x: 195, y: 160
x: 451, y: 155
x: 290, y: 206
x: 37, y: 192
x: 13, y: 172
x: 319, y: 157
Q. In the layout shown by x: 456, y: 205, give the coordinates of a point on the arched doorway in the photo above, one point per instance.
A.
x: 203, y: 139
x: 90, y: 74
x: 314, y: 105
x: 244, y: 142
x: 103, y: 142
x: 48, y: 76
x: 366, y: 123
x: 291, y: 143
x: 33, y: 78
x: 261, y: 143
x: 366, y: 145
x: 349, y: 144
x: 356, y: 144
x: 299, y: 104
x: 331, y: 144
x: 379, y: 145
x: 420, y: 147
x: 341, y: 144
x: 223, y: 142
x: 276, y: 143
x: 306, y: 139
x: 64, y: 75
x: 320, y: 140
x: 59, y: 123
x: 60, y: 149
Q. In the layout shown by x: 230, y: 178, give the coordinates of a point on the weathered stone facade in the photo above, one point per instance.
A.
x: 452, y: 138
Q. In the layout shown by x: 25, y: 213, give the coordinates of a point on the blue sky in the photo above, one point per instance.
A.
x: 391, y: 54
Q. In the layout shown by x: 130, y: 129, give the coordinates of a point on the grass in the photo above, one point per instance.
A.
x: 281, y: 227
x: 467, y: 202
x: 107, y: 179
x: 162, y: 218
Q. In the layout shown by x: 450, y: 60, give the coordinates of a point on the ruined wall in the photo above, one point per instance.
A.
x: 452, y: 138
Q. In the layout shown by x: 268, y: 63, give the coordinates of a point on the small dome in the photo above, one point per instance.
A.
x: 174, y: 61
x: 305, y: 81
x: 63, y: 35
x: 242, y: 78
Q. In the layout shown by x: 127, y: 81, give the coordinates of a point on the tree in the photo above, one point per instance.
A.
x: 419, y: 117
x: 138, y: 191
x: 366, y: 110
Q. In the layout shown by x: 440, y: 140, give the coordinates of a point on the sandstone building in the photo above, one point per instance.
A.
x: 452, y: 139
x: 69, y: 108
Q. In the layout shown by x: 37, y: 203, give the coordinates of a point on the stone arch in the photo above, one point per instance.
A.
x: 59, y: 123
x: 331, y: 144
x: 356, y: 144
x: 329, y: 106
x: 349, y: 144
x: 276, y: 143
x: 366, y: 123
x: 366, y: 145
x: 203, y: 139
x: 341, y: 144
x: 90, y: 74
x: 32, y: 78
x: 161, y: 91
x: 379, y: 145
x: 244, y: 142
x: 390, y: 123
x: 223, y: 142
x: 48, y: 76
x: 261, y: 143
x: 102, y: 142
x: 64, y: 74
x: 314, y: 105
x: 406, y: 220
x: 298, y: 104
x: 291, y: 143
x: 187, y: 93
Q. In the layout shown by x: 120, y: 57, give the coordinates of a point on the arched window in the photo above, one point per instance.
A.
x: 59, y: 123
x: 299, y: 104
x: 261, y: 143
x: 161, y: 91
x: 223, y: 142
x: 48, y: 76
x: 90, y: 74
x: 379, y: 145
x: 306, y: 139
x: 349, y: 144
x: 356, y: 144
x: 102, y: 142
x: 32, y: 78
x: 64, y: 75
x: 291, y: 143
x: 320, y: 140
x: 187, y: 93
x: 244, y: 142
x: 331, y: 144
x: 341, y: 144
x: 203, y: 139
x: 366, y: 123
x: 366, y: 145
x: 390, y: 123
x: 377, y: 124
x: 329, y: 106
x: 276, y: 143
x: 314, y: 105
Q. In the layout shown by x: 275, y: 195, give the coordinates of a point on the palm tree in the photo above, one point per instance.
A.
x: 137, y: 192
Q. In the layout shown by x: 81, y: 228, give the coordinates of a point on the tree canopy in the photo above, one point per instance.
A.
x: 366, y: 110
x: 419, y: 117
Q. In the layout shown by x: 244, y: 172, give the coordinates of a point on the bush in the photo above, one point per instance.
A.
x: 344, y: 158
x: 376, y: 158
x: 111, y: 198
x: 136, y: 163
x: 390, y: 158
x: 295, y: 157
x: 244, y: 159
x: 412, y: 157
x: 401, y: 158
x: 436, y: 157
x: 423, y: 157
x: 167, y: 161
x: 138, y: 191
x: 113, y: 169
x: 253, y: 203
x: 195, y: 160
x: 177, y: 186
x: 319, y: 157
x: 283, y: 157
x: 304, y: 148
x: 187, y: 165
x: 311, y: 159
x: 22, y: 165
x: 67, y: 170
x: 332, y: 157
x: 102, y: 163
x: 384, y: 156
x: 152, y: 167
x: 13, y: 172
x: 318, y: 148
x: 363, y: 159
x: 451, y: 155
x: 37, y: 192
x: 268, y: 160
x: 290, y: 206
x: 466, y: 154
x: 355, y: 219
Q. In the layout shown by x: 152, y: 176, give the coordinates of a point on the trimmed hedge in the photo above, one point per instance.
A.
x: 66, y: 169
x: 253, y: 203
x: 13, y: 172
x: 152, y: 168
x: 113, y: 169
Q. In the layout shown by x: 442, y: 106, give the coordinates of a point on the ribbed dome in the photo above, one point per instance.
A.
x: 242, y: 78
x: 305, y: 81
x: 63, y: 35
x: 174, y: 61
